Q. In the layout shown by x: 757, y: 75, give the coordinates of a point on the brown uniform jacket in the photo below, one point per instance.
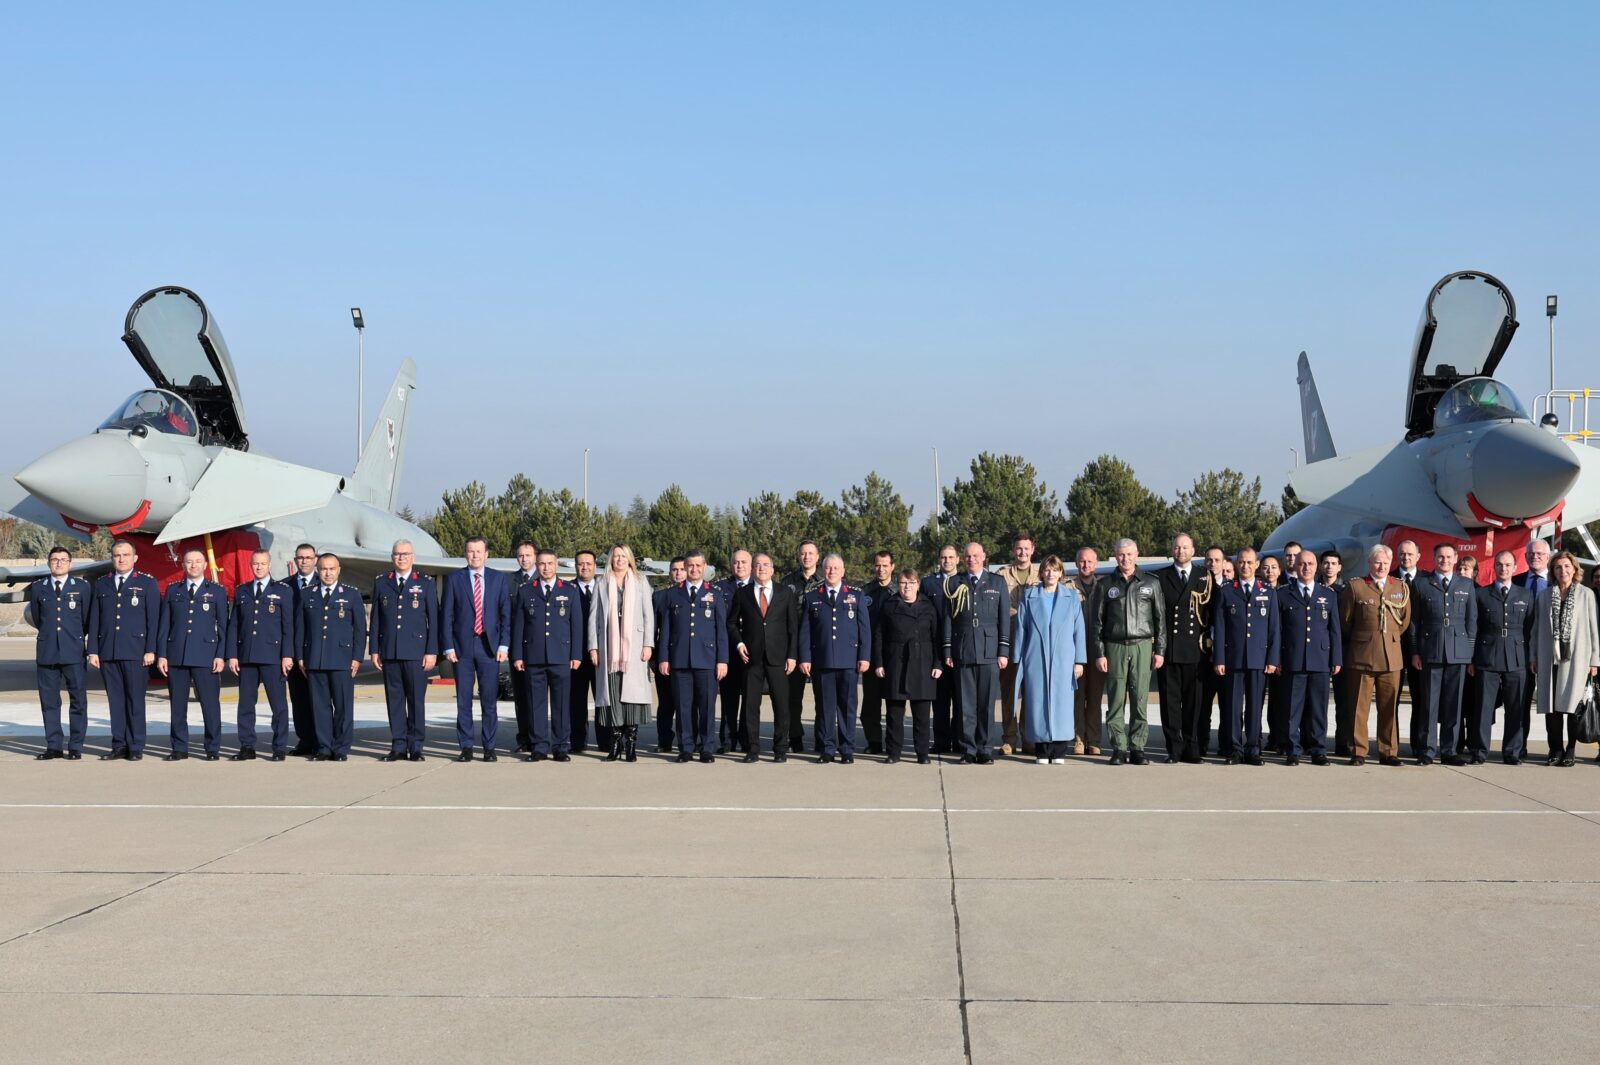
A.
x: 1018, y: 581
x: 1372, y: 623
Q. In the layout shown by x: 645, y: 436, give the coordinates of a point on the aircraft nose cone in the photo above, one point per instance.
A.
x: 1519, y: 471
x: 96, y: 479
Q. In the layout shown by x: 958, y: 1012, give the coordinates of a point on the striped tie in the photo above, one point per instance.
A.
x: 477, y: 604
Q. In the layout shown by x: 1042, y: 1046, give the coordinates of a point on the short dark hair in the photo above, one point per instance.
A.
x: 1021, y: 536
x: 58, y: 549
x: 883, y: 554
x: 476, y: 540
x: 803, y: 543
x: 543, y: 551
x: 694, y: 552
x: 909, y: 573
x: 305, y: 547
x: 325, y: 556
x: 524, y: 543
x: 579, y: 554
x: 123, y: 541
x: 1214, y: 547
x: 1330, y: 553
x: 675, y: 560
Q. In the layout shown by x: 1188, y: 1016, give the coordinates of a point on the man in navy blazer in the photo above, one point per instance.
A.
x: 1444, y: 632
x: 694, y: 630
x: 547, y: 634
x: 475, y: 628
x: 1244, y: 651
x: 1310, y: 651
x: 403, y: 642
x: 1500, y: 662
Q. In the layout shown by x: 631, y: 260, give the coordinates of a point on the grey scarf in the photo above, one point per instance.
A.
x: 1561, y: 620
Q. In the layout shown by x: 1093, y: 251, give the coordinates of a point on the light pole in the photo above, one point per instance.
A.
x: 937, y: 491
x: 586, y: 478
x: 1550, y: 313
x: 361, y: 361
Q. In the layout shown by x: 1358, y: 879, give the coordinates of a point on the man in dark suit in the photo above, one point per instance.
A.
x: 124, y: 620
x: 261, y: 653
x: 1311, y: 651
x: 806, y: 577
x: 835, y: 649
x: 666, y: 708
x: 1408, y: 562
x: 546, y: 642
x: 1536, y: 579
x: 527, y: 570
x: 475, y: 627
x: 331, y: 635
x: 404, y: 645
x: 731, y: 691
x: 1187, y: 590
x: 1500, y: 662
x: 977, y: 645
x: 695, y: 634
x: 58, y: 609
x: 582, y: 685
x: 935, y: 586
x: 190, y: 650
x: 1330, y: 568
x: 1444, y: 633
x: 764, y: 630
x: 879, y: 590
x: 302, y: 577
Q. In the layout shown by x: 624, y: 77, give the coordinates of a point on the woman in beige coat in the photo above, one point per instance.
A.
x: 1566, y: 652
x: 622, y: 631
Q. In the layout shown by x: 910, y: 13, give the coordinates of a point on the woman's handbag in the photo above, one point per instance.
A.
x: 1586, y: 721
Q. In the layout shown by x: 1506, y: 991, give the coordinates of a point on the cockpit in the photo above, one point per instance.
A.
x: 154, y: 411
x: 1477, y: 399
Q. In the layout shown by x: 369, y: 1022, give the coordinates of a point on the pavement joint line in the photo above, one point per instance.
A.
x: 1581, y: 815
x: 162, y: 880
x: 955, y: 917
x: 1547, y: 809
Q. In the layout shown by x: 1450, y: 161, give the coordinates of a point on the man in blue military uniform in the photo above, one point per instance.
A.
x: 730, y: 734
x: 301, y: 580
x: 261, y: 653
x: 1500, y: 662
x: 1311, y: 652
x: 124, y: 618
x: 404, y: 644
x: 331, y: 634
x: 694, y: 630
x: 190, y: 649
x: 977, y: 644
x: 1244, y: 652
x: 58, y: 607
x: 835, y: 647
x: 1444, y: 633
x: 666, y: 706
x: 546, y: 642
x: 527, y: 570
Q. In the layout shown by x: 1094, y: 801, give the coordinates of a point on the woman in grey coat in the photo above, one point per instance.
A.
x: 1566, y: 652
x: 622, y: 630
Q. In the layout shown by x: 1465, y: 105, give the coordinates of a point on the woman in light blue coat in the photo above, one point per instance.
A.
x: 1047, y: 641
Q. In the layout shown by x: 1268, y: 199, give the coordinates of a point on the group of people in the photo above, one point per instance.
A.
x: 1068, y: 657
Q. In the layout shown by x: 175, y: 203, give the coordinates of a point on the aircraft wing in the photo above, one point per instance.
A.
x: 87, y: 568
x: 1386, y: 483
x: 240, y: 488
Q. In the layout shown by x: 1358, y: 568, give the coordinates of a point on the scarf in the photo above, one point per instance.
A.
x: 1561, y: 620
x: 619, y: 651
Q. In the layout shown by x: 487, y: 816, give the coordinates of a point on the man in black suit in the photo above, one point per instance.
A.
x: 1500, y: 663
x: 303, y: 576
x: 1408, y: 557
x: 731, y: 690
x: 1535, y: 580
x: 666, y: 705
x: 583, y: 676
x: 1187, y: 592
x: 526, y: 572
x: 764, y: 631
x: 935, y: 590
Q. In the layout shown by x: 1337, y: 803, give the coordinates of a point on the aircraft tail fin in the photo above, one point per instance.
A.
x: 1319, y: 441
x: 377, y: 476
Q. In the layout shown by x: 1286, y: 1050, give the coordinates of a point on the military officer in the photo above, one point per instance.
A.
x: 1127, y: 638
x: 977, y: 644
x: 1330, y: 566
x: 124, y: 620
x: 403, y: 641
x: 1375, y: 610
x: 190, y: 649
x: 879, y: 590
x: 935, y: 589
x: 836, y: 647
x: 666, y: 709
x: 806, y: 577
x: 1444, y: 633
x: 1244, y: 652
x: 730, y: 735
x: 1187, y: 589
x: 547, y: 637
x: 527, y: 570
x: 58, y: 608
x: 261, y: 653
x: 1312, y: 652
x: 302, y: 578
x: 695, y: 633
x: 582, y: 685
x: 331, y: 634
x: 1500, y: 661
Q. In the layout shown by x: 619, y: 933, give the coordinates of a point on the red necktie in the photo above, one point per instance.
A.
x: 477, y: 604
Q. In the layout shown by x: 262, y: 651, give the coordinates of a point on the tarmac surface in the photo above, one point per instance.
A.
x: 658, y: 912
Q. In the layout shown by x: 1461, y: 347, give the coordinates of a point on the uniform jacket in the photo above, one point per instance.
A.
x: 1018, y: 580
x: 331, y: 633
x: 1244, y: 626
x: 1373, y: 623
x: 261, y: 630
x: 456, y: 613
x: 1505, y: 629
x: 906, y: 645
x: 1310, y: 640
x: 61, y: 618
x: 1126, y: 610
x: 772, y: 640
x: 658, y: 610
x: 194, y: 629
x: 1444, y: 626
x: 1187, y: 624
x: 981, y: 631
x: 405, y: 618
x: 123, y: 626
x: 694, y: 630
x: 836, y: 635
x: 547, y: 628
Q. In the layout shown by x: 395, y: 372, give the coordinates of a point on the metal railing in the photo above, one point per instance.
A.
x: 1574, y: 404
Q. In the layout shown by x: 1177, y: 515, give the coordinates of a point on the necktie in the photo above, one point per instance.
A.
x: 58, y: 587
x: 832, y: 597
x: 120, y: 579
x: 477, y: 604
x: 261, y: 589
x: 1305, y: 592
x: 1446, y: 586
x: 325, y: 593
x: 761, y: 599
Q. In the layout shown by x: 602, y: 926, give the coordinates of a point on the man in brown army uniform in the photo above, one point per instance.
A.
x: 1092, y: 688
x: 1373, y: 613
x: 1021, y: 575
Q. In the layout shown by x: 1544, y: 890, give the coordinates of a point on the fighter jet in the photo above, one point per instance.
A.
x: 1473, y: 470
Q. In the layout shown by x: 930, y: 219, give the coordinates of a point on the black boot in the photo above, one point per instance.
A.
x: 629, y: 734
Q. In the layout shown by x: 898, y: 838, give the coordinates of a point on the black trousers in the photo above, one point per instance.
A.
x: 797, y: 691
x: 921, y: 711
x: 666, y: 710
x: 305, y: 721
x: 578, y: 705
x: 731, y: 695
x: 756, y: 675
x: 1562, y: 736
x: 1180, y: 708
x: 1278, y: 712
x: 1212, y: 695
x: 946, y: 733
x: 872, y: 707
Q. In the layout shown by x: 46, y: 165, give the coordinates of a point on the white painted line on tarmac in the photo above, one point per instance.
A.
x: 1131, y: 810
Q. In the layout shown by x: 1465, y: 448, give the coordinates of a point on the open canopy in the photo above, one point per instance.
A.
x: 1466, y: 326
x: 178, y: 344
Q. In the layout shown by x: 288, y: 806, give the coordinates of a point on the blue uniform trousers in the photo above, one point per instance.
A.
x: 305, y: 722
x: 695, y: 693
x: 477, y: 663
x: 548, y: 691
x: 333, y: 693
x: 269, y: 677
x: 838, y: 710
x: 51, y: 678
x: 207, y: 689
x: 1242, y: 721
x: 1506, y: 688
x: 126, y: 680
x: 404, y: 689
x: 976, y: 689
x: 1307, y: 696
x: 1440, y: 711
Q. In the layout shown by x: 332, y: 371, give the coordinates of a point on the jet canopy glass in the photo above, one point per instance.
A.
x: 1478, y: 399
x: 154, y: 410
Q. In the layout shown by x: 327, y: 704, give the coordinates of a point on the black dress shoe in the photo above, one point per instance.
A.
x: 465, y: 756
x: 416, y: 756
x: 1424, y: 760
x: 1393, y: 759
x: 302, y: 751
x: 1172, y: 759
x: 1136, y: 758
x: 1253, y: 759
x: 212, y: 756
x: 1319, y: 759
x: 339, y: 758
x: 320, y: 757
x: 824, y: 758
x: 874, y: 748
x: 1453, y: 760
x: 117, y: 752
x: 561, y: 756
x: 751, y: 757
x: 722, y: 748
x: 176, y: 756
x: 134, y: 756
x: 923, y: 759
x: 394, y: 756
x: 707, y: 757
x: 277, y: 756
x: 1511, y: 759
x: 490, y: 756
x: 847, y: 759
x: 969, y: 759
x: 1476, y: 759
x: 73, y: 756
x: 982, y: 758
x: 663, y: 748
x: 1232, y: 759
x: 780, y: 757
x: 1117, y: 758
x: 1356, y: 759
x: 537, y: 756
x: 524, y: 748
x: 45, y: 756
x: 891, y: 759
x: 1291, y: 760
x: 243, y: 754
x: 1192, y: 758
x: 685, y: 756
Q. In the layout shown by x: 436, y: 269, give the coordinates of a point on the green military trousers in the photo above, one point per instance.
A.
x: 1128, y: 683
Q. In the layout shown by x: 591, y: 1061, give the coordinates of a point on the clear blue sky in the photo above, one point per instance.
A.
x: 779, y: 245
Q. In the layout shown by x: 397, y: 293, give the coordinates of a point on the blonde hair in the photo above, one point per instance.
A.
x: 627, y: 553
